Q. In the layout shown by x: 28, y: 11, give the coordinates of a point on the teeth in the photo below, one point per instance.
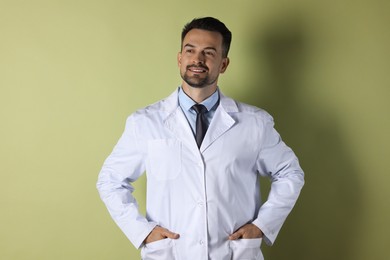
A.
x: 197, y: 70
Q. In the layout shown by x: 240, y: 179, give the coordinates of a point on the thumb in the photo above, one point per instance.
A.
x: 171, y: 235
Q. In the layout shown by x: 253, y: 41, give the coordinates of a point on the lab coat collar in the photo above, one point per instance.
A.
x: 221, y: 122
x: 176, y: 121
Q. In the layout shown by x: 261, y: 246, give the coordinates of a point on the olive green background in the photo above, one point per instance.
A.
x: 72, y: 71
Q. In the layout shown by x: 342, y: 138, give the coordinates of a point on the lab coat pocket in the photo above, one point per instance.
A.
x: 159, y: 250
x: 246, y: 249
x: 164, y: 159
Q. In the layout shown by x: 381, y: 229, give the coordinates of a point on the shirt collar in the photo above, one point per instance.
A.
x: 186, y: 102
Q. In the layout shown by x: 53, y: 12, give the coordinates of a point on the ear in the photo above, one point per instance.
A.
x: 224, y: 65
x: 179, y: 59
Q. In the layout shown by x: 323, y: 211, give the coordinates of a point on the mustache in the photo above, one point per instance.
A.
x: 198, y: 66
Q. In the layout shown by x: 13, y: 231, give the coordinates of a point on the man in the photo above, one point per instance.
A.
x: 203, y: 194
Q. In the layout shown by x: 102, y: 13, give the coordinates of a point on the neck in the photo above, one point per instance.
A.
x: 198, y: 94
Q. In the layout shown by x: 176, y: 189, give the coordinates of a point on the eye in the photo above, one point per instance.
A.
x: 209, y: 53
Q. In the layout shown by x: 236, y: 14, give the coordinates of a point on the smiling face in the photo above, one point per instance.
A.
x: 201, y: 60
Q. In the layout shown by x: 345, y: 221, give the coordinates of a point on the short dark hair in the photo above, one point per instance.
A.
x: 210, y: 24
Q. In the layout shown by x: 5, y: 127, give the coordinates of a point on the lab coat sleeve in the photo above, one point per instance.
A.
x: 278, y: 162
x: 123, y: 166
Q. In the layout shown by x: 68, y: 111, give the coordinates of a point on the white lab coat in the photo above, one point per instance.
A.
x: 202, y: 194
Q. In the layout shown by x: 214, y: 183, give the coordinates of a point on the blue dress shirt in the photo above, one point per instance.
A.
x: 186, y: 103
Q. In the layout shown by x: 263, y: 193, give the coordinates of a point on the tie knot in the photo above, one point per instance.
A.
x: 199, y: 108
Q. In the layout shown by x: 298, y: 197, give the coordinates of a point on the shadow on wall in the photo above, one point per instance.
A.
x: 324, y: 222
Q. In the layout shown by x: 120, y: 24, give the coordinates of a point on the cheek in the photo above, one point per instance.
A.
x: 181, y: 65
x: 218, y: 68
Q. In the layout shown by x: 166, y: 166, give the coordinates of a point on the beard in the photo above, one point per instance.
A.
x: 197, y: 81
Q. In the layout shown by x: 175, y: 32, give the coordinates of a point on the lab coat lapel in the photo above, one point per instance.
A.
x: 221, y: 122
x: 177, y: 123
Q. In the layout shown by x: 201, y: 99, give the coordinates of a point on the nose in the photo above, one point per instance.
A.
x: 199, y: 58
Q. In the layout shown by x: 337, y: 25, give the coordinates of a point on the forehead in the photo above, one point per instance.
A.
x: 203, y: 39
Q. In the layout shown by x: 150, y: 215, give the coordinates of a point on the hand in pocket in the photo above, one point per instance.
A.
x: 247, y: 231
x: 159, y: 233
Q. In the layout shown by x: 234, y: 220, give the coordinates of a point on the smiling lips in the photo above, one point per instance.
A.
x: 197, y: 69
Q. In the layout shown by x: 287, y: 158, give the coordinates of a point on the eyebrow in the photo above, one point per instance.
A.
x: 192, y: 46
